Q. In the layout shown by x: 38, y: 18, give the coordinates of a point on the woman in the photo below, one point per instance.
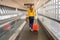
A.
x: 31, y: 16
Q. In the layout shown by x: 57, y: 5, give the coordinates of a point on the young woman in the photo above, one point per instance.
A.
x: 31, y: 16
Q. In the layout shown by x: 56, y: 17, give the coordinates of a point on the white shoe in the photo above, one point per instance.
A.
x: 31, y: 29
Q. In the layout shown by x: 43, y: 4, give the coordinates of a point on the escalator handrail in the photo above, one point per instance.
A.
x: 50, y: 18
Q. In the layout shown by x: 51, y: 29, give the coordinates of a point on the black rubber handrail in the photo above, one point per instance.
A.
x: 50, y: 18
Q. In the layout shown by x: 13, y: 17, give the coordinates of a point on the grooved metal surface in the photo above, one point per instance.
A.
x: 26, y: 34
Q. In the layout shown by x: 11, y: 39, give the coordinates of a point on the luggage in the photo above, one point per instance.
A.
x: 35, y: 27
x: 7, y: 27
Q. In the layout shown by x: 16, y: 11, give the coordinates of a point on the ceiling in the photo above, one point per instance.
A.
x: 20, y: 3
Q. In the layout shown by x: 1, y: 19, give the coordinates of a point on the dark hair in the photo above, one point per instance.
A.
x: 30, y: 4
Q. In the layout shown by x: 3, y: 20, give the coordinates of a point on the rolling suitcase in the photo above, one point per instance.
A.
x: 35, y: 27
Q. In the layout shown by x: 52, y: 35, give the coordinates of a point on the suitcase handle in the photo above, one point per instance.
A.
x: 35, y: 21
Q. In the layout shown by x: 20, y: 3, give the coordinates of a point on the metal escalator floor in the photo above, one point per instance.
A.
x: 26, y: 34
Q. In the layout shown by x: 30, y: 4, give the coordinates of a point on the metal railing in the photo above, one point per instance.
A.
x: 13, y: 24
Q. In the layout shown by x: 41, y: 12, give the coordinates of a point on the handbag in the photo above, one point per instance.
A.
x: 27, y: 19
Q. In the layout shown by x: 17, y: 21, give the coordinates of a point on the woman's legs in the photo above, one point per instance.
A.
x: 31, y: 21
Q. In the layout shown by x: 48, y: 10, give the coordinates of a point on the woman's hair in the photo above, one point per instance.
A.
x: 31, y: 5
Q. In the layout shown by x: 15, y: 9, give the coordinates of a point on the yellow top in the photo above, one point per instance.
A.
x: 31, y: 13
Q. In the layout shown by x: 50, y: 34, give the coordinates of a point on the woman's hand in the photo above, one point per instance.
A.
x: 27, y: 19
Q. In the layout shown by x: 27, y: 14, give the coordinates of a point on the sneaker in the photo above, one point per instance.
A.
x: 31, y: 29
